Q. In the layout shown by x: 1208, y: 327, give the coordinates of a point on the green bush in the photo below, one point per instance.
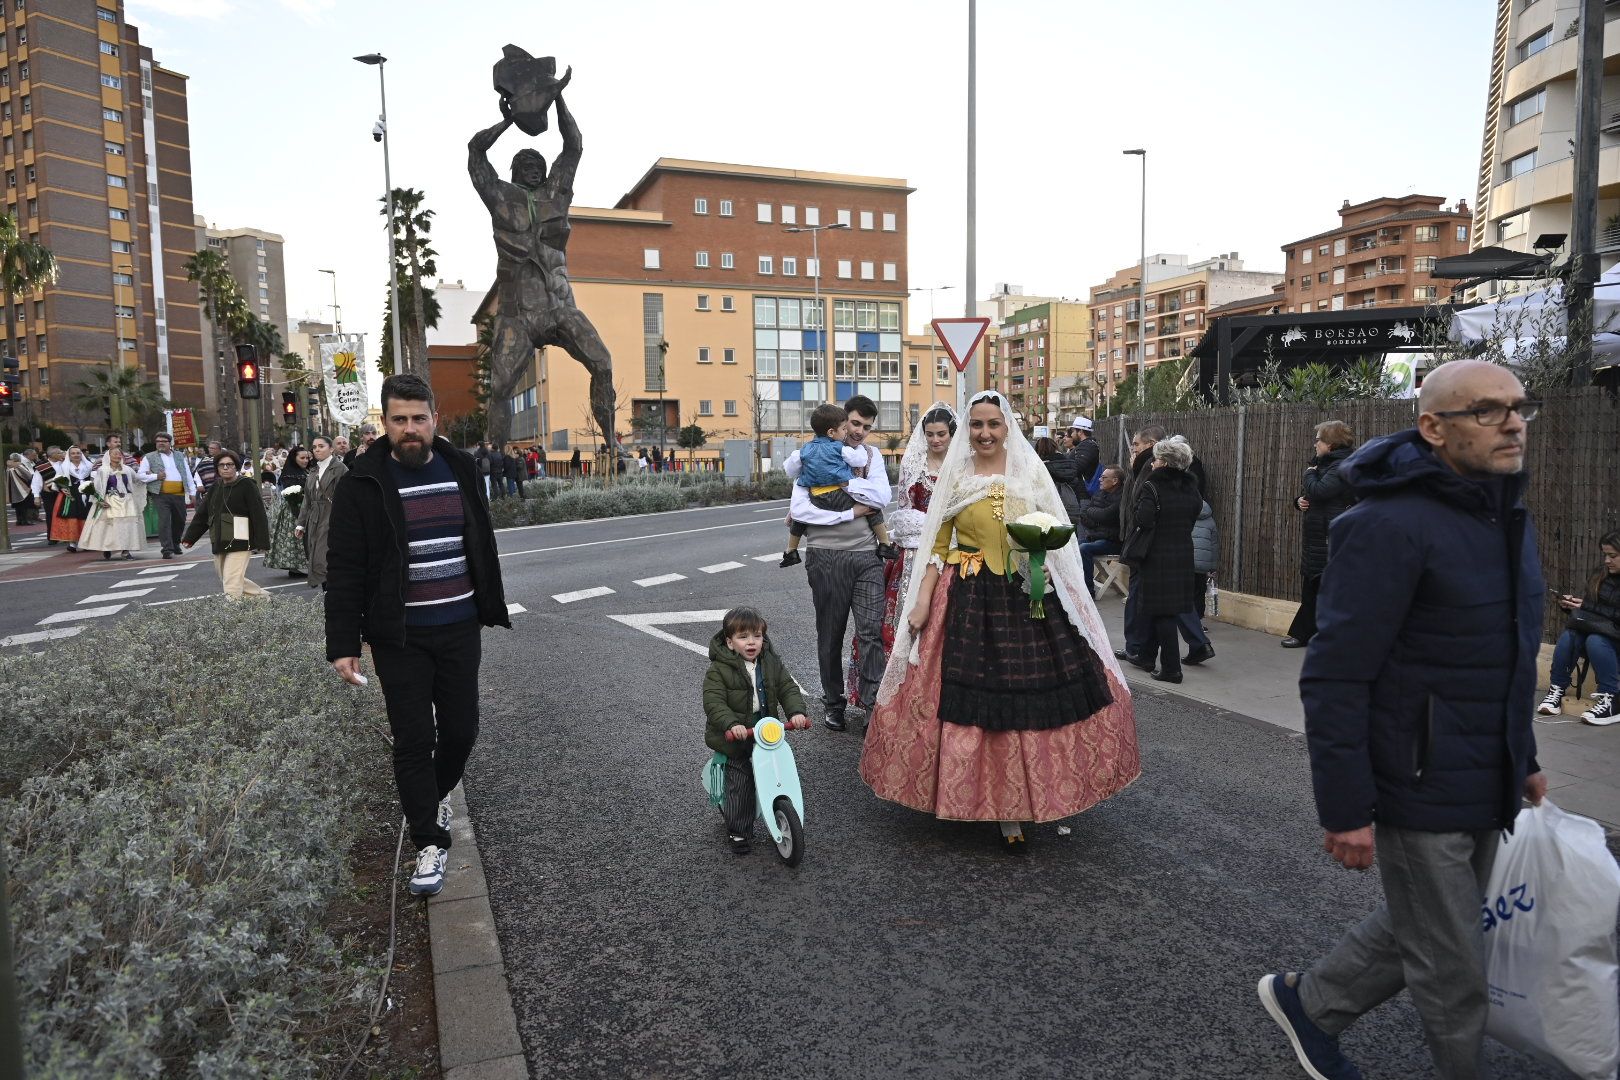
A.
x: 175, y: 834
x: 553, y: 500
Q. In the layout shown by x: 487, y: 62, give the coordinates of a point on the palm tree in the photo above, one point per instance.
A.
x: 127, y: 396
x: 418, y: 309
x: 25, y: 267
x: 228, y: 312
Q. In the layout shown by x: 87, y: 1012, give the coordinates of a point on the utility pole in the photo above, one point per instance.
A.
x: 969, y: 375
x: 1583, y: 261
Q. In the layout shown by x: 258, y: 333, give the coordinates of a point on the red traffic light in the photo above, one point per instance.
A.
x: 289, y: 405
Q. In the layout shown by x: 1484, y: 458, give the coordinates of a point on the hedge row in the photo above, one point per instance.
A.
x: 179, y: 793
x: 552, y: 500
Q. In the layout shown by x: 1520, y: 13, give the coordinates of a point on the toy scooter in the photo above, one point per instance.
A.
x: 776, y: 787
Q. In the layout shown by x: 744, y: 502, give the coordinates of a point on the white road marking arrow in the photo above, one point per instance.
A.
x: 649, y: 623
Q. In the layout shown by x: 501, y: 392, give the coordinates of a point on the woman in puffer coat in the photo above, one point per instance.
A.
x: 1324, y: 495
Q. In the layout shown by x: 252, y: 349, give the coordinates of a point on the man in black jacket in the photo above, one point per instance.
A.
x: 1419, y: 690
x: 1085, y: 453
x: 1099, y: 516
x: 412, y: 569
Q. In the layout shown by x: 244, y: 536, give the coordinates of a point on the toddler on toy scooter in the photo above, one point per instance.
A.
x: 746, y: 681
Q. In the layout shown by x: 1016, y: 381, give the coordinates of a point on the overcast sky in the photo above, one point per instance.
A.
x: 1260, y: 117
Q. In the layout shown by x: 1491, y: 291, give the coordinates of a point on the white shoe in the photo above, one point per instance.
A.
x: 1553, y: 703
x: 429, y: 876
x: 1602, y: 713
x: 445, y: 814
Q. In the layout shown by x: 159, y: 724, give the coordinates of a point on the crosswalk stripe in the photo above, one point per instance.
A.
x: 171, y: 568
x: 141, y: 581
x: 661, y: 579
x: 125, y: 595
x: 515, y: 609
x: 772, y: 557
x: 82, y: 613
x: 582, y: 594
x: 721, y: 567
x: 40, y: 635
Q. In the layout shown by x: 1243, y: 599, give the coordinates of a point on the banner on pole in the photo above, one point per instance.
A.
x: 343, y: 371
x: 184, y: 428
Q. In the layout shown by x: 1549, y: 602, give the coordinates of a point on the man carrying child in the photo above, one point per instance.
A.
x: 826, y: 466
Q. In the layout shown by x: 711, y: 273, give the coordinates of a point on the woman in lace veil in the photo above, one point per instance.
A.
x: 919, y: 468
x: 986, y: 713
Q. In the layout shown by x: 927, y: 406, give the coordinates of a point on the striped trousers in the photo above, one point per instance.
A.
x: 845, y: 583
x: 737, y: 800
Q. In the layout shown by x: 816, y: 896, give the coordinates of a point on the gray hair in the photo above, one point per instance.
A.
x: 1175, y: 452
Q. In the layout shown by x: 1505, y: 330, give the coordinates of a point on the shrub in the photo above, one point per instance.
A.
x: 553, y: 499
x: 175, y: 840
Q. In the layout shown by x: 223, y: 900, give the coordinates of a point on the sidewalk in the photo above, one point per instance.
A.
x: 1253, y: 676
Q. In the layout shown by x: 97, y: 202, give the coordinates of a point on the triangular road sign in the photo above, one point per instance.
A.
x: 961, y: 338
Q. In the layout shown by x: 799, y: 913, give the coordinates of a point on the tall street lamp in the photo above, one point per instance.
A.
x: 821, y: 313
x: 337, y: 312
x: 933, y: 338
x: 380, y: 133
x: 1141, y: 294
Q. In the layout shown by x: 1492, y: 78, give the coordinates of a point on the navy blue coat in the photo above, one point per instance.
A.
x: 1419, y: 686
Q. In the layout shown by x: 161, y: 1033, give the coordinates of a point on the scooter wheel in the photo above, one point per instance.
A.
x: 791, y: 847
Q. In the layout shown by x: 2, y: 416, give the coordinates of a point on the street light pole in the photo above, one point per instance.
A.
x: 1141, y: 294
x: 969, y: 375
x: 933, y: 338
x: 378, y: 60
x: 821, y: 313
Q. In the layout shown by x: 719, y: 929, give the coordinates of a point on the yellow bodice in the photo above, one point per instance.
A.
x: 981, y: 526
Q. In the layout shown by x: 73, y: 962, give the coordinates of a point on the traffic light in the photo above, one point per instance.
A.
x: 8, y: 387
x: 314, y: 400
x: 247, y: 371
x: 289, y: 406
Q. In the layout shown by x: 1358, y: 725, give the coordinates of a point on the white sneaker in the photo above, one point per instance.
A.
x: 1553, y: 703
x: 445, y: 814
x: 429, y: 876
x: 1602, y: 713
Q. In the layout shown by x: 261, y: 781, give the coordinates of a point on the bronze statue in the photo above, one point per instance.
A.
x: 534, y: 303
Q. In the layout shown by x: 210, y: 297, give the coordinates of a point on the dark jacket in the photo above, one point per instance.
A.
x: 728, y: 697
x: 223, y: 502
x: 1329, y: 494
x: 1419, y: 686
x: 1167, y: 502
x: 1100, y: 515
x: 1085, y: 455
x: 1062, y: 469
x: 366, y: 554
x: 1140, y: 466
x: 514, y: 468
x: 1604, y: 601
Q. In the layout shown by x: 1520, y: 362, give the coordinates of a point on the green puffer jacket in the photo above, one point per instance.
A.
x: 728, y: 697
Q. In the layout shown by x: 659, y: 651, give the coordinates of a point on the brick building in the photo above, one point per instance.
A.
x: 1380, y: 255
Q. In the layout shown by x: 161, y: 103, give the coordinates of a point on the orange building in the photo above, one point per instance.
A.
x: 1380, y: 255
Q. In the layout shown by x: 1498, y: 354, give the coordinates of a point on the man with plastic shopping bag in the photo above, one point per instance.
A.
x: 1419, y: 692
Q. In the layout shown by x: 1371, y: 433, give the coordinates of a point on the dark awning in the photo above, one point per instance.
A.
x: 1491, y: 264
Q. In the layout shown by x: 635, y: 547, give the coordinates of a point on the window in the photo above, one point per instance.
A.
x: 812, y: 215
x: 731, y: 407
x: 649, y: 259
x: 124, y: 311
x: 889, y: 317
x: 1529, y: 48
x: 912, y: 377
x: 5, y: 77
x: 1462, y: 234
x: 942, y: 370
x: 116, y: 181
x: 1338, y: 275
x: 790, y: 266
x: 1322, y: 250
x: 115, y: 148
x: 1424, y: 292
x: 106, y: 16
x: 1338, y: 247
x: 889, y: 222
x: 27, y: 105
x: 22, y: 72
x: 1427, y: 234
x: 765, y: 264
x: 32, y: 175
x: 108, y: 49
x: 112, y: 114
x: 868, y: 271
x: 701, y: 260
x: 260, y: 245
x: 123, y: 279
x: 845, y: 268
x: 1527, y: 106
x: 790, y: 215
x: 725, y: 207
x: 113, y: 81
x: 728, y: 356
x: 703, y: 355
x: 700, y: 206
x: 728, y: 303
x: 1423, y: 264
x: 1306, y: 255
x: 1305, y: 282
x: 866, y: 219
x: 843, y: 218
x: 728, y: 261
x: 703, y: 301
x: 1338, y: 303
x: 44, y: 376
x: 812, y: 268
x: 705, y: 408
x: 39, y: 343
x: 1513, y: 167
x: 1321, y: 277
x: 122, y: 247
x: 763, y: 213
x: 891, y: 272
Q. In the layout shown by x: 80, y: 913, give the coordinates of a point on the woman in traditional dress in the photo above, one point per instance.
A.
x: 117, y: 522
x: 73, y: 506
x: 987, y: 712
x: 287, y: 551
x: 320, y: 484
x: 919, y: 468
x: 19, y: 484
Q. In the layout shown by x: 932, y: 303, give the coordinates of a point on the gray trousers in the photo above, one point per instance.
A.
x: 171, y: 515
x: 737, y: 800
x: 1426, y: 938
x: 845, y: 583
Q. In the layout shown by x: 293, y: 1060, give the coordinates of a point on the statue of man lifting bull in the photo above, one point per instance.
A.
x: 534, y: 303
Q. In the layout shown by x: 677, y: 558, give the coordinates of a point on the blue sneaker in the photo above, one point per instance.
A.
x: 429, y: 876
x: 1317, y: 1051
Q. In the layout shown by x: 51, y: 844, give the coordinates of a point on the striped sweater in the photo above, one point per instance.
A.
x: 438, y: 589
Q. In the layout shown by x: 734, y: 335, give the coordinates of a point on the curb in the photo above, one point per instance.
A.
x: 478, y: 1036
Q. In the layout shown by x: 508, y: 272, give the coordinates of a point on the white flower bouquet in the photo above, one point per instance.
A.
x: 1037, y: 533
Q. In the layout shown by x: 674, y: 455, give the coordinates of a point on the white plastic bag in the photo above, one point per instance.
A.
x: 1549, y: 924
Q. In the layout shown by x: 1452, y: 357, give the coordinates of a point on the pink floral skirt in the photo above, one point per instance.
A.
x: 962, y: 773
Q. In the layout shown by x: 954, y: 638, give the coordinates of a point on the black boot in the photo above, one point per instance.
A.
x: 790, y: 558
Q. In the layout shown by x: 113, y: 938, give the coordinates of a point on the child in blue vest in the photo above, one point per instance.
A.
x: 826, y: 467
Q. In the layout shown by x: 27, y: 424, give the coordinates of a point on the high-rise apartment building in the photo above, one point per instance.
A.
x: 1381, y: 254
x: 706, y: 297
x: 1526, y: 171
x: 97, y: 164
x: 254, y: 259
x: 1038, y: 345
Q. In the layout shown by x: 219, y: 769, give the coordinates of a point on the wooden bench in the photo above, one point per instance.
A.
x: 1109, y: 573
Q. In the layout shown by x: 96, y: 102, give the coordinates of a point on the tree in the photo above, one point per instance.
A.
x: 127, y: 397
x: 1168, y: 388
x: 25, y: 266
x: 228, y: 312
x: 692, y: 438
x: 414, y: 260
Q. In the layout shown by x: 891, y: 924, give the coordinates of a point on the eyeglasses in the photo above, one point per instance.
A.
x: 1495, y: 415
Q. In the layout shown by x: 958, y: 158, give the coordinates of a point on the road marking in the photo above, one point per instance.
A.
x: 168, y: 569
x: 781, y: 504
x: 86, y: 613
x: 721, y: 567
x: 141, y: 581
x: 41, y: 635
x: 582, y: 594
x: 769, y: 510
x: 661, y: 579
x: 515, y: 609
x: 626, y: 539
x: 649, y: 622
x: 125, y: 595
x: 774, y: 556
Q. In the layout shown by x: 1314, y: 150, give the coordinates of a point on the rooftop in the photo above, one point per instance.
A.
x: 761, y: 172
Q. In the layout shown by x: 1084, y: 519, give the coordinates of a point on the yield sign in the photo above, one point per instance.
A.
x: 961, y: 338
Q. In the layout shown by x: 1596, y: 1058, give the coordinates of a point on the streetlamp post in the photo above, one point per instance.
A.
x: 1141, y: 294
x: 821, y: 313
x: 933, y: 338
x: 381, y: 131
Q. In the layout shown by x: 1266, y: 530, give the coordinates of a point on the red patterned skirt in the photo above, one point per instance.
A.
x: 964, y: 772
x: 894, y: 579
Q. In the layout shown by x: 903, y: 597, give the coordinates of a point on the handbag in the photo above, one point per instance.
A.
x: 1585, y: 622
x: 1136, y: 547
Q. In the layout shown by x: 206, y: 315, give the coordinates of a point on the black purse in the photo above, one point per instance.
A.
x: 1137, y: 545
x: 1584, y: 622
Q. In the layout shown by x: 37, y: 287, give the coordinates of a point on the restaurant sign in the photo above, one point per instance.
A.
x: 1393, y: 335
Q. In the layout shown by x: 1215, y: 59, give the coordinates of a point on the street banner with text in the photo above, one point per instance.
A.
x: 184, y: 429
x: 343, y: 370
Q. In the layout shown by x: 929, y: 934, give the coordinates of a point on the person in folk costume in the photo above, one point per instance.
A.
x: 118, y: 520
x: 287, y: 549
x: 19, y: 493
x: 73, y: 504
x: 986, y: 712
x: 315, y: 515
x: 45, y: 488
x: 919, y: 468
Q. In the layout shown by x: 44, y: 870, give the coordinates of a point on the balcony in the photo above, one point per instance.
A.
x: 1609, y: 238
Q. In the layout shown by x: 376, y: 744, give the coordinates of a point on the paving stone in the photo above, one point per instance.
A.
x: 463, y: 935
x: 505, y: 1068
x: 476, y: 1022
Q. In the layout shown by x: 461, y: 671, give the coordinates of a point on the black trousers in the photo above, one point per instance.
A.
x: 842, y: 584
x: 171, y: 515
x: 1165, y: 643
x: 430, y: 686
x: 1304, y: 625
